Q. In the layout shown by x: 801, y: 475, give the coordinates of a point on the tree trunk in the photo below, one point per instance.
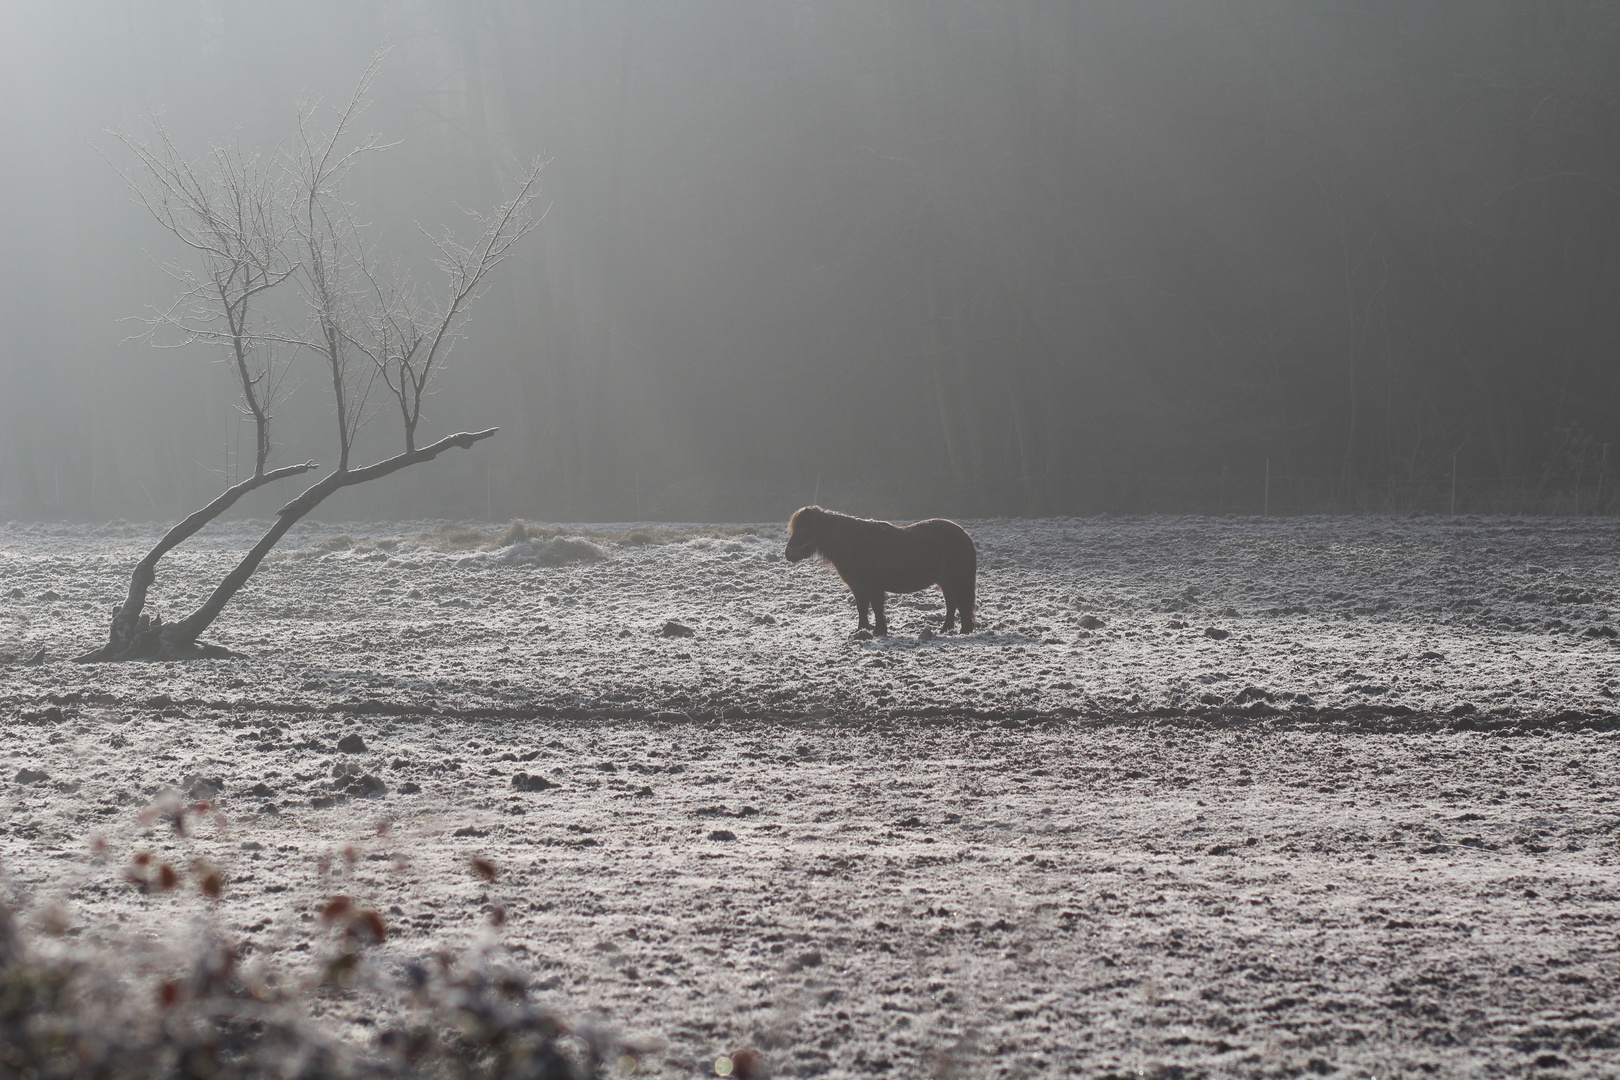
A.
x: 135, y: 638
x: 128, y: 624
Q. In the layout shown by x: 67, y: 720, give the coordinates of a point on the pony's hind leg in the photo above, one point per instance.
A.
x: 863, y: 604
x: 881, y: 616
x: 959, y: 602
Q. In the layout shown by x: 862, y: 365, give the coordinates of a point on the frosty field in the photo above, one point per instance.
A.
x: 1203, y: 797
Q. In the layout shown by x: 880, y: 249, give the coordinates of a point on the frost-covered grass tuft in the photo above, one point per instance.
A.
x: 70, y: 1010
x: 452, y: 536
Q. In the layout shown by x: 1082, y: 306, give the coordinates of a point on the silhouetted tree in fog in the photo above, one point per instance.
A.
x: 254, y: 230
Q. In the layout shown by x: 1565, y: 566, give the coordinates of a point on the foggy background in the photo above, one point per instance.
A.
x: 956, y: 257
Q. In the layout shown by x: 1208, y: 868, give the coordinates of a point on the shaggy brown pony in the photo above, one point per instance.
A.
x: 875, y: 557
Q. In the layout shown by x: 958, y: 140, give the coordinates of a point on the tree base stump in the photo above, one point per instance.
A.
x: 153, y: 641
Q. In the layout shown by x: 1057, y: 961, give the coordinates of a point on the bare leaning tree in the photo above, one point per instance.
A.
x: 254, y: 229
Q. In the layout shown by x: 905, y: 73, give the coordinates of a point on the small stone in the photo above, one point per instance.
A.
x: 410, y: 787
x: 524, y: 782
x: 31, y: 776
x: 1217, y: 633
x: 50, y: 594
x: 722, y: 834
x: 261, y: 790
x: 926, y: 634
x: 675, y: 629
x: 15, y: 594
x: 367, y: 786
x: 352, y: 743
x: 862, y: 634
x: 270, y: 809
x: 203, y: 788
x: 1090, y: 622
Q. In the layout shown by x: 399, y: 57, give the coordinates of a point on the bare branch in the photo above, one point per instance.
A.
x: 327, y: 232
x: 194, y: 624
x: 425, y: 335
x: 227, y: 209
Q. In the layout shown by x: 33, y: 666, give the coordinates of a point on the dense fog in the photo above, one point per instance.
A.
x: 959, y: 256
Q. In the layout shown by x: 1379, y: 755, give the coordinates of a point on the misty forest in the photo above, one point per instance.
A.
x: 450, y: 624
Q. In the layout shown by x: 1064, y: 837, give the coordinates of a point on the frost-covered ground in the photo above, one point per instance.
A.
x: 1219, y: 796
